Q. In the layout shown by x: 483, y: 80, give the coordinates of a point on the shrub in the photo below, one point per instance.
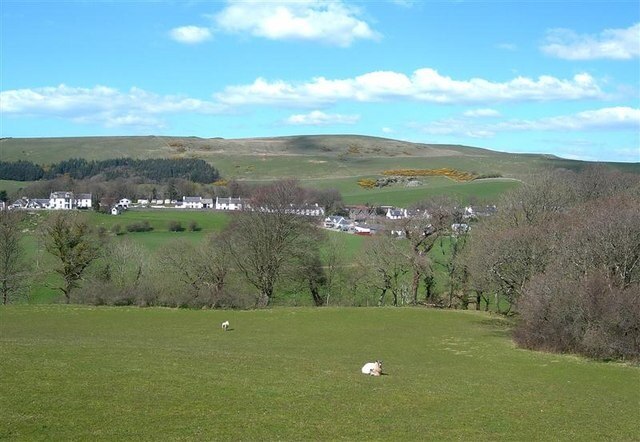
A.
x: 175, y: 226
x: 367, y: 183
x: 142, y: 226
x: 594, y: 317
x: 194, y: 227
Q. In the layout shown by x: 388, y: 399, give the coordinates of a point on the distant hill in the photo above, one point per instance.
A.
x: 313, y: 157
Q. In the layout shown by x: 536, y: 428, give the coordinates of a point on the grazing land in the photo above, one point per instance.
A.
x: 73, y: 372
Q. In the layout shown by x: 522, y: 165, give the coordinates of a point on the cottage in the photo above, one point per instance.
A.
x: 459, y: 228
x: 192, y: 202
x: 229, y: 203
x: 83, y: 201
x: 61, y: 201
x: 394, y: 213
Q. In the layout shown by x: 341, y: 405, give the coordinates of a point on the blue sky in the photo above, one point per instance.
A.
x: 557, y: 77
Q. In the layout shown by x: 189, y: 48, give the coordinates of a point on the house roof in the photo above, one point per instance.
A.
x: 229, y: 200
x: 192, y: 199
x: 61, y: 194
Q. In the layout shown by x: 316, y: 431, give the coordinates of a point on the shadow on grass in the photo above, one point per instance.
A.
x: 498, y: 326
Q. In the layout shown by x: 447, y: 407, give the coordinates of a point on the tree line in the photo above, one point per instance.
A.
x: 155, y: 170
x: 562, y: 256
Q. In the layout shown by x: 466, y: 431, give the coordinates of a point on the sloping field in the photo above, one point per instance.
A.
x: 79, y: 373
x: 318, y: 156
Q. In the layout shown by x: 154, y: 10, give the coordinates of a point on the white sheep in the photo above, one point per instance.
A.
x: 372, y: 368
x: 225, y: 325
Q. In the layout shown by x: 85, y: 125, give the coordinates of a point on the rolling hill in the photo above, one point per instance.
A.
x: 322, y: 161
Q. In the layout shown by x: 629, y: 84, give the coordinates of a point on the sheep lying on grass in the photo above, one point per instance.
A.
x: 372, y: 368
x: 225, y: 325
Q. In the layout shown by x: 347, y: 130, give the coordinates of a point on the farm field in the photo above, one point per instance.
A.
x: 100, y: 373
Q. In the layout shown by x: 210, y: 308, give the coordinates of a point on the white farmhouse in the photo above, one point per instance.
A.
x: 61, y: 201
x: 229, y: 203
x: 124, y: 202
x: 393, y: 213
x: 192, y: 202
x: 82, y: 201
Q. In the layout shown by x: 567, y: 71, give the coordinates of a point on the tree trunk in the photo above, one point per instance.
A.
x: 381, y: 300
x: 414, y: 287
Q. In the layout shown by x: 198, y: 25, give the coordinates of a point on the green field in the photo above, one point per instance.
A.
x: 82, y: 373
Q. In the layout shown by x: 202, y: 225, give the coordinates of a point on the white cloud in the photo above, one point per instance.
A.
x: 100, y: 104
x: 425, y: 85
x: 330, y: 22
x: 607, y: 119
x: 617, y: 44
x: 610, y: 118
x: 482, y: 113
x: 388, y: 130
x: 319, y: 118
x: 190, y: 34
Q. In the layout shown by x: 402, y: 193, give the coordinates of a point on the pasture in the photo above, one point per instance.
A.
x: 100, y: 373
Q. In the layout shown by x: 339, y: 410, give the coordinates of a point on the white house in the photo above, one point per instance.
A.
x: 311, y: 210
x: 38, y: 203
x: 458, y: 228
x: 61, y: 201
x: 124, y: 202
x: 192, y: 202
x: 82, y: 201
x: 143, y: 202
x: 116, y: 210
x: 393, y: 213
x: 207, y: 203
x: 229, y: 203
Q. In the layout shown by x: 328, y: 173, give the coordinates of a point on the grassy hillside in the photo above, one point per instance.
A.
x: 78, y: 373
x: 314, y: 157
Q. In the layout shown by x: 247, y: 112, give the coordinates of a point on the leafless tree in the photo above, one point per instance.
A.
x: 263, y: 241
x: 203, y: 268
x: 12, y: 257
x: 386, y: 260
x: 422, y: 233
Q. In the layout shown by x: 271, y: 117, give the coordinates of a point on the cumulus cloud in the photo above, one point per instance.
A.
x: 319, y: 118
x: 190, y: 34
x: 482, y: 113
x: 100, y: 104
x: 608, y: 119
x: 330, y: 22
x: 425, y: 85
x: 616, y: 44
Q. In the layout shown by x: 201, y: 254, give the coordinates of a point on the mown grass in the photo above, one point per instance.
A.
x: 78, y: 373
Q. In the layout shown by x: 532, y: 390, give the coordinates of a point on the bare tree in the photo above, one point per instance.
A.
x: 387, y: 260
x: 422, y: 233
x: 67, y: 236
x: 203, y: 268
x: 263, y: 241
x: 12, y: 259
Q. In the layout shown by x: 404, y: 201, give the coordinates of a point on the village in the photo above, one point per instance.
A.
x: 356, y: 219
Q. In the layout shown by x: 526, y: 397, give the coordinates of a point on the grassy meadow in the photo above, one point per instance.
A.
x: 100, y: 373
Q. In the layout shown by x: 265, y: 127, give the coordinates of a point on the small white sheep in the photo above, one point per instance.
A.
x: 372, y: 368
x: 225, y: 325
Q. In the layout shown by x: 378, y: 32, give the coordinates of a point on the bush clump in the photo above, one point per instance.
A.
x: 141, y: 226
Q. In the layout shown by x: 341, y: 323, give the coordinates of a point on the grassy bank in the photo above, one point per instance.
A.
x: 77, y: 373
